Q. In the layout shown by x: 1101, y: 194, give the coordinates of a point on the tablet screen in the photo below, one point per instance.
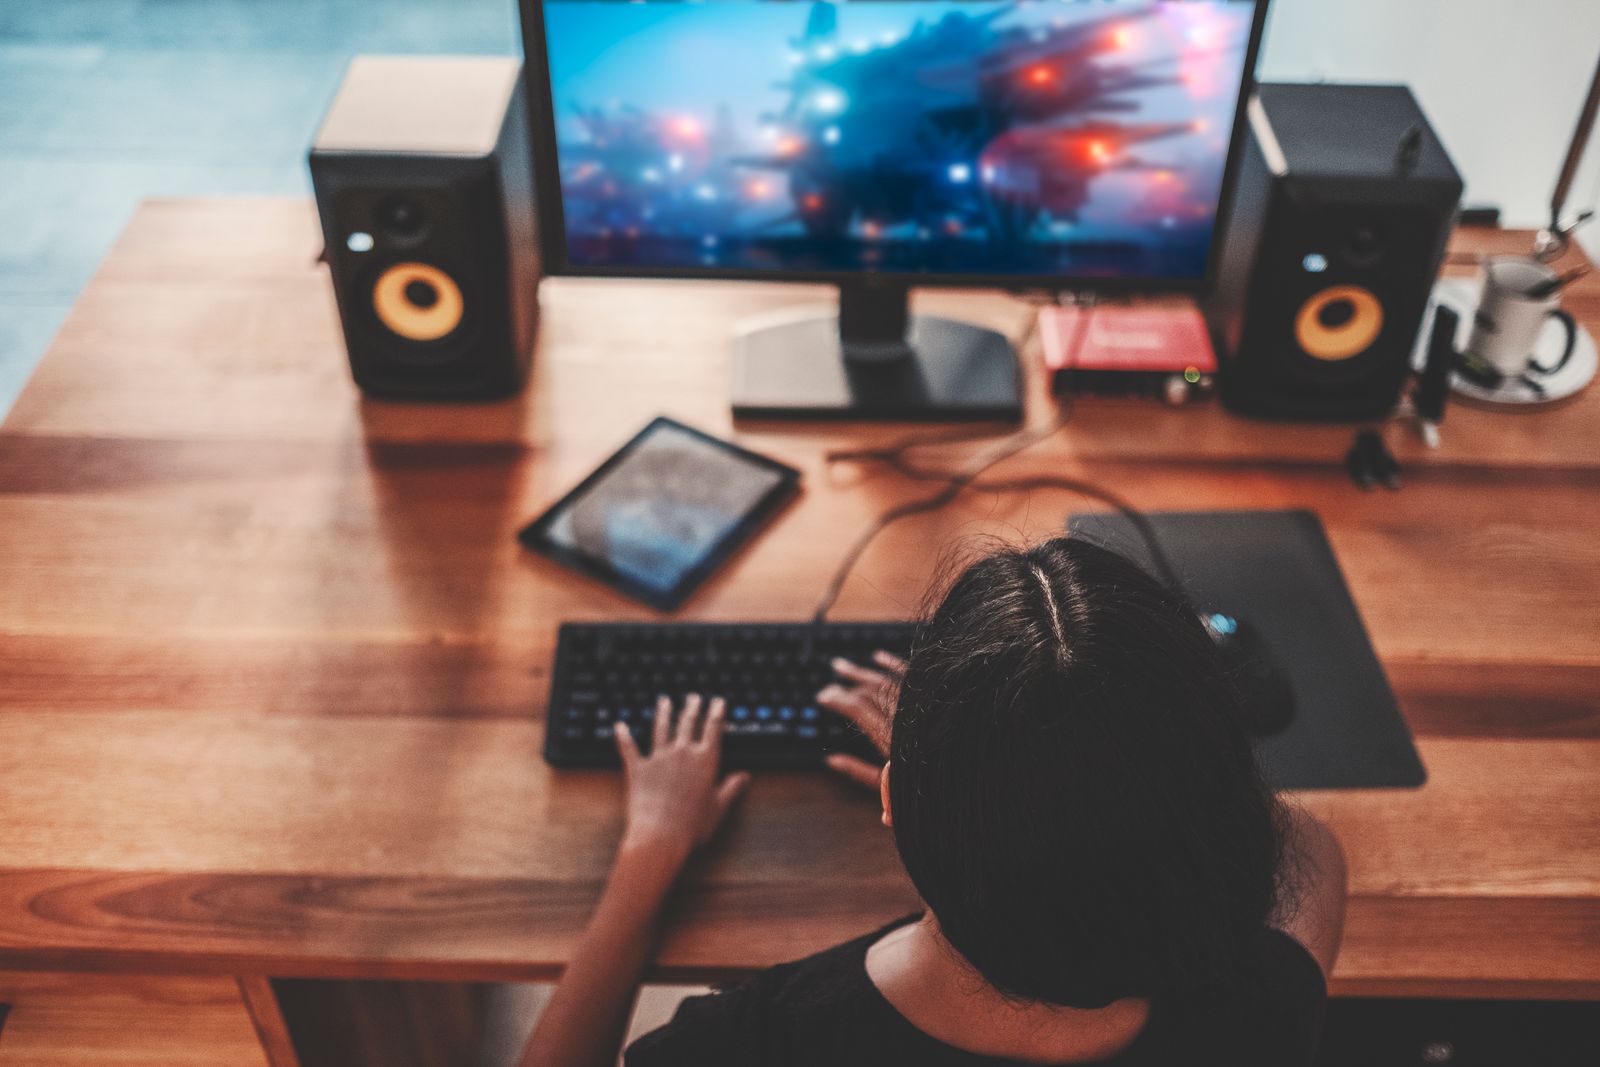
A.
x: 661, y: 509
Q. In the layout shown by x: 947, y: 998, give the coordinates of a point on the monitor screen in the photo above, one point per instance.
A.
x: 1060, y: 139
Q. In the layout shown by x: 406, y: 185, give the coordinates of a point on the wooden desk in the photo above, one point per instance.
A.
x: 272, y: 668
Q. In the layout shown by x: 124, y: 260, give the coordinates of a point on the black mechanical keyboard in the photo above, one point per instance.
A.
x: 769, y: 673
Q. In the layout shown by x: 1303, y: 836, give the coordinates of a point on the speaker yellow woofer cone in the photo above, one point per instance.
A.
x: 394, y: 299
x: 1350, y: 337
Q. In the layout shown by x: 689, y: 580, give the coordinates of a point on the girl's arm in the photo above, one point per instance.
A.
x: 675, y: 803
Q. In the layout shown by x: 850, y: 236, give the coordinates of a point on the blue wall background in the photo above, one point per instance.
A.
x: 105, y: 102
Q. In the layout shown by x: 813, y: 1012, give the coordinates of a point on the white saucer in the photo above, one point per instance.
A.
x: 1461, y: 296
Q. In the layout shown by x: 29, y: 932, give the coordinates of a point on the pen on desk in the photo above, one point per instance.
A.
x: 1434, y: 387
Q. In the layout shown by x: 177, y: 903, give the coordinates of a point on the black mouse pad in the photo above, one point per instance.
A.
x: 1277, y: 570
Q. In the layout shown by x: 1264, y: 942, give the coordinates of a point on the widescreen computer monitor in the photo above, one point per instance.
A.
x: 880, y: 145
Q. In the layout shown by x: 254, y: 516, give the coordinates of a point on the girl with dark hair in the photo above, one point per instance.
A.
x: 1107, y: 878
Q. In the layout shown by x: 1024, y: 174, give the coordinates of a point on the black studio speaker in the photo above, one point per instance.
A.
x: 424, y: 186
x: 1344, y: 201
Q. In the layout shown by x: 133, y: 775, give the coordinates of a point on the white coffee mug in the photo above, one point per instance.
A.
x: 1511, y: 315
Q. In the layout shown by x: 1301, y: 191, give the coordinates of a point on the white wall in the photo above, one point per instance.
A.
x: 1501, y: 81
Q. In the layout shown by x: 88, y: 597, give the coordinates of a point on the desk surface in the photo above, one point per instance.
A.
x: 272, y: 667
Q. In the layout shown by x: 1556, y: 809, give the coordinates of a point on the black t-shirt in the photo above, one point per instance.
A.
x: 824, y: 1011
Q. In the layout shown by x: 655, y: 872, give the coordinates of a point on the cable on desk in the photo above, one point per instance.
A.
x: 1136, y: 518
x: 1035, y: 299
x: 957, y: 482
x: 894, y: 452
x: 894, y: 456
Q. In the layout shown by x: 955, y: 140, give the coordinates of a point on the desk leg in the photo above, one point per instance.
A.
x: 379, y: 1024
x: 262, y: 1004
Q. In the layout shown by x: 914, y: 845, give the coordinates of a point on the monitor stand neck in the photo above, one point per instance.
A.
x: 873, y: 359
x: 874, y: 318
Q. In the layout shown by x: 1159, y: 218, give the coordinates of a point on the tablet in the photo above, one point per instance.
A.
x: 662, y: 513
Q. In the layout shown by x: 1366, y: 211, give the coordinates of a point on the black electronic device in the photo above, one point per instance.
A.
x: 664, y: 511
x: 1344, y: 201
x: 423, y: 184
x: 1266, y: 696
x: 1433, y: 387
x: 877, y: 147
x: 1275, y: 573
x: 1370, y: 463
x: 769, y: 673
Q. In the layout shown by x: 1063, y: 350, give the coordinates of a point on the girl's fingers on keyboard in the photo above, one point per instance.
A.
x: 855, y: 769
x: 854, y: 672
x: 663, y: 724
x: 712, y: 734
x: 891, y: 663
x: 862, y: 708
x: 626, y: 746
x: 689, y: 718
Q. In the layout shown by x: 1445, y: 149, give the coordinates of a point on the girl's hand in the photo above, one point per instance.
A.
x: 675, y: 802
x: 867, y: 698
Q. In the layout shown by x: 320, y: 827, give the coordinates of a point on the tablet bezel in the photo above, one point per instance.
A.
x: 536, y: 535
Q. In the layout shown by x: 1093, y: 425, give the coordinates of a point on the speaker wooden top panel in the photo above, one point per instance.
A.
x: 451, y: 105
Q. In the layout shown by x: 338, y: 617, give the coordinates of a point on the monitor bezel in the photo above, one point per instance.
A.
x: 552, y: 222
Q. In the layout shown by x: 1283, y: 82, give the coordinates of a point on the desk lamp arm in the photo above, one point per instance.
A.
x: 1553, y: 240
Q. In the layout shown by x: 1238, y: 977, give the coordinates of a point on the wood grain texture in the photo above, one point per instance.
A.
x: 327, y: 542
x: 250, y: 323
x: 500, y: 889
x: 273, y: 668
x: 124, y: 1021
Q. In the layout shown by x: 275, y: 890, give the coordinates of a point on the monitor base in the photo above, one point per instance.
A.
x: 942, y: 371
